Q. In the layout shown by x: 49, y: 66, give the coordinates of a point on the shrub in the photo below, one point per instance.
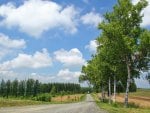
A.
x: 44, y: 97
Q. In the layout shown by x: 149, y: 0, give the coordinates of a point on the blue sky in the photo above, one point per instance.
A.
x: 50, y: 40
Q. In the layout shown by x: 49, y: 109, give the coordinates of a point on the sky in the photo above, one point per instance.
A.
x: 50, y: 40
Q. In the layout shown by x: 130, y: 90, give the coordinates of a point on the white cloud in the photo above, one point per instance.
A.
x: 7, y: 42
x: 92, y: 18
x: 38, y: 60
x: 4, y: 52
x: 70, y: 58
x: 42, y: 78
x: 10, y: 46
x: 146, y: 13
x: 66, y: 74
x: 8, y: 75
x: 92, y: 46
x: 36, y: 16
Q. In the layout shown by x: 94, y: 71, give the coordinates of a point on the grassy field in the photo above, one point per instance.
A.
x: 141, y: 93
x: 140, y: 98
x: 139, y: 103
x: 58, y: 99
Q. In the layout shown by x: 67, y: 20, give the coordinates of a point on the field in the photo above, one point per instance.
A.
x: 68, y: 98
x: 140, y: 98
x: 57, y: 99
x: 139, y: 102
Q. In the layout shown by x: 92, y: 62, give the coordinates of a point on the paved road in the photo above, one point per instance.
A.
x: 88, y: 106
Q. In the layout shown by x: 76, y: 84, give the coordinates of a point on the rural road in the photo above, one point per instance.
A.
x: 88, y: 106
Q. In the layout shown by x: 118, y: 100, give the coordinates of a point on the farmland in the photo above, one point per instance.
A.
x: 139, y: 102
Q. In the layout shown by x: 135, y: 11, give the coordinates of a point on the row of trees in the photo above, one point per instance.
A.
x: 123, y: 50
x: 33, y: 87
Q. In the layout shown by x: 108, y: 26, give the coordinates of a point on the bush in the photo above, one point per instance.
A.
x: 44, y: 97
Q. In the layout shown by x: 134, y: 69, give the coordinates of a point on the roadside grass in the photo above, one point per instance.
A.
x: 68, y: 98
x: 18, y: 102
x: 11, y: 101
x: 118, y: 107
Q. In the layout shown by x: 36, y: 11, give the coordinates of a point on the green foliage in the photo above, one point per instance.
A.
x: 31, y: 88
x: 123, y: 48
x: 86, y: 90
x: 53, y: 91
x: 44, y: 97
x: 132, y: 87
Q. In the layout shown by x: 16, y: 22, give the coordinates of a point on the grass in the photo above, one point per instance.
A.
x: 16, y: 102
x: 118, y: 107
x: 4, y: 102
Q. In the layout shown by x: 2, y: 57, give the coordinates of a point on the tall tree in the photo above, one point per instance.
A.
x: 3, y: 88
x: 15, y: 85
x: 122, y: 25
x: 36, y: 88
x: 21, y: 88
x: 8, y: 88
x: 29, y: 87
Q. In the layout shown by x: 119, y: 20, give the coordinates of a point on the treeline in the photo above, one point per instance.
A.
x: 123, y: 51
x: 31, y: 87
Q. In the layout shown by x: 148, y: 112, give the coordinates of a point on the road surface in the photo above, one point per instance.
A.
x: 88, y: 106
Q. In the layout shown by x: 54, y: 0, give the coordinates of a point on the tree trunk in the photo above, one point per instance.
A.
x: 109, y: 91
x: 102, y: 94
x: 114, y: 99
x: 128, y: 84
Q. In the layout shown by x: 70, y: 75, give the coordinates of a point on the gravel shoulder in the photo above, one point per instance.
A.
x: 88, y: 106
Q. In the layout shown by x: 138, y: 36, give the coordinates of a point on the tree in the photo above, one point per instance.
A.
x: 3, y: 88
x: 97, y: 72
x: 36, y: 88
x: 8, y: 88
x: 22, y: 86
x: 122, y: 25
x: 15, y: 87
x: 53, y: 91
x: 29, y: 87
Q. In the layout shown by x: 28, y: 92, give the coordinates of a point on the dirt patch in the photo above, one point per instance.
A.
x: 140, y: 101
x: 67, y: 98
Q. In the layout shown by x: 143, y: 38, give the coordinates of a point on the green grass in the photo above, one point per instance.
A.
x: 16, y: 102
x: 83, y: 97
x: 119, y: 107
